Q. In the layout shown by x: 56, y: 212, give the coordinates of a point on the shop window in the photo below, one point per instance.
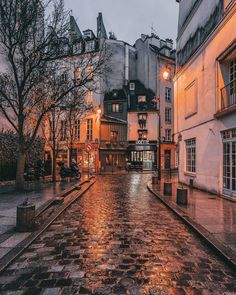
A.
x: 191, y: 155
x: 112, y: 160
x: 90, y: 129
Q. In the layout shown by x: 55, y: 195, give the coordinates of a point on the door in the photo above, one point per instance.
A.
x: 229, y: 168
x: 167, y: 159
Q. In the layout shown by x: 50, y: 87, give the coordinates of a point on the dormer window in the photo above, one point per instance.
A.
x: 77, y: 48
x: 141, y: 98
x: 132, y: 86
x: 88, y: 34
x: 90, y: 46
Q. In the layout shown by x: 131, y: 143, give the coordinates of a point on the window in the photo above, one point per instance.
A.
x: 142, y: 117
x: 63, y: 130
x: 142, y: 120
x: 141, y: 98
x: 142, y: 134
x: 77, y: 48
x: 114, y: 135
x: 168, y: 94
x: 77, y: 73
x: 132, y: 86
x: 90, y: 46
x: 77, y: 129
x: 64, y: 77
x: 89, y: 72
x: 191, y: 155
x: 90, y: 97
x: 168, y: 115
x: 228, y: 90
x: 232, y: 80
x: 117, y: 108
x: 168, y: 134
x: 89, y: 129
x: 229, y: 162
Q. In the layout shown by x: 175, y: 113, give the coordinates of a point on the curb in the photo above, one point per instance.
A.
x: 222, y: 250
x: 17, y: 250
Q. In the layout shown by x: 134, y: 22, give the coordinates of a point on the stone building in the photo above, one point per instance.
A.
x: 205, y: 95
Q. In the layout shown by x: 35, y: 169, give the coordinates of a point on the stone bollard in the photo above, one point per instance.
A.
x: 168, y: 188
x: 155, y: 180
x: 182, y: 196
x: 25, y: 218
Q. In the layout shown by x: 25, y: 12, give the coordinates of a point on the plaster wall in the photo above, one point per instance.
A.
x: 115, y: 76
x: 203, y: 68
x: 151, y: 126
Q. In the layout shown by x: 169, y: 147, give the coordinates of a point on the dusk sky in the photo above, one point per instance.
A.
x: 128, y: 18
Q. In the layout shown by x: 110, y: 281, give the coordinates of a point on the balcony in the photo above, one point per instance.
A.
x: 228, y: 100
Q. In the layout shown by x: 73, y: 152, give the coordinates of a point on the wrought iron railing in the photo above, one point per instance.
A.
x: 228, y: 95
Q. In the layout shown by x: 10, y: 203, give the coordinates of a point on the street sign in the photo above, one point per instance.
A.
x: 88, y: 148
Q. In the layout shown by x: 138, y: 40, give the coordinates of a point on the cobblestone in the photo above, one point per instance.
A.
x: 118, y: 239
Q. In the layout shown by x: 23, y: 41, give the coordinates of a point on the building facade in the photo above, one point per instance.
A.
x: 205, y: 95
x: 156, y: 69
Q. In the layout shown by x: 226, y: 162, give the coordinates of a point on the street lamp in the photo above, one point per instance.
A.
x: 99, y: 112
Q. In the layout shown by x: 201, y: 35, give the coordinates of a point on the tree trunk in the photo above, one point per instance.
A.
x: 20, y: 171
x: 54, y: 176
x: 70, y: 151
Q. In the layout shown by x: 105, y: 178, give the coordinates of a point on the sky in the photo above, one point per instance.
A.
x: 128, y: 19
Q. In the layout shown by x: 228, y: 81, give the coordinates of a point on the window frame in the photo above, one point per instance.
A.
x: 168, y: 115
x: 168, y: 94
x: 89, y: 134
x: 190, y: 155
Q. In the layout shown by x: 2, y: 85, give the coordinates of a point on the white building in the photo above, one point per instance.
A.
x: 205, y: 95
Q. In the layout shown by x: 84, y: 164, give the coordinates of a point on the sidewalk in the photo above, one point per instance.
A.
x: 213, y: 217
x: 38, y: 193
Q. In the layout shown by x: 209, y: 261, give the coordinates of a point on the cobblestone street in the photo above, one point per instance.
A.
x: 118, y: 239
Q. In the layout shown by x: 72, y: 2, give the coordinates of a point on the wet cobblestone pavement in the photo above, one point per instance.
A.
x: 118, y: 239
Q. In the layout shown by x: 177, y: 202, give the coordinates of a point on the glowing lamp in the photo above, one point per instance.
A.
x: 166, y: 74
x: 99, y: 111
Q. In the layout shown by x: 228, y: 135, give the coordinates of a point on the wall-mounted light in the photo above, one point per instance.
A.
x: 166, y: 74
x: 99, y: 111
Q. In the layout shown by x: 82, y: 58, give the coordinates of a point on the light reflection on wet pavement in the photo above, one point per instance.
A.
x: 118, y: 239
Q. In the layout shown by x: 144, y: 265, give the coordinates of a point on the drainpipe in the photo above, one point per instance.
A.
x: 126, y: 64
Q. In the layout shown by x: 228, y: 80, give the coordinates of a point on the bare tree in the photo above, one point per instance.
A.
x: 75, y: 110
x: 34, y: 80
